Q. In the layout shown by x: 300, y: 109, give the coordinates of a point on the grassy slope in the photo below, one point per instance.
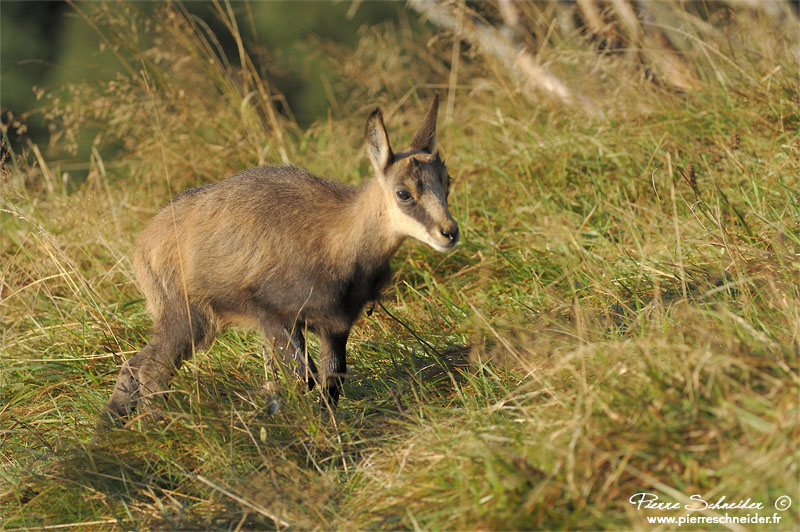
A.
x: 604, y: 329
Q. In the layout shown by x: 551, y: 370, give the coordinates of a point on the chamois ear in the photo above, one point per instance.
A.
x: 425, y: 138
x: 380, y: 152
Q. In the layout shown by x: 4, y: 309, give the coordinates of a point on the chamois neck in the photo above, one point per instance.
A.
x: 371, y: 236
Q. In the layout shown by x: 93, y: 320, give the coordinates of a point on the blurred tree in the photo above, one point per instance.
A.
x: 30, y: 38
x: 45, y: 45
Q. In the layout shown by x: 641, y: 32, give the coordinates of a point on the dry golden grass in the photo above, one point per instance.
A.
x: 614, y: 322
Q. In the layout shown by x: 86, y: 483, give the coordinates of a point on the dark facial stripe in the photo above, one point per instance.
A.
x: 421, y: 214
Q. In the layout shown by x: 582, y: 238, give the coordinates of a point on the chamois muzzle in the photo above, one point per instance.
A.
x: 451, y: 233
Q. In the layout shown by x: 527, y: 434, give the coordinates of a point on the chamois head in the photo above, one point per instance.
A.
x: 415, y: 183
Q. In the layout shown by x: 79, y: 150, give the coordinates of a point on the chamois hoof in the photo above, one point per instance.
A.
x: 110, y: 420
x: 115, y: 419
x: 118, y: 410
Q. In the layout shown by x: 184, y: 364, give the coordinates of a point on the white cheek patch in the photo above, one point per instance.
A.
x: 408, y: 226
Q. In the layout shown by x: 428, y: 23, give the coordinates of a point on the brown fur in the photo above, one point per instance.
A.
x: 280, y: 250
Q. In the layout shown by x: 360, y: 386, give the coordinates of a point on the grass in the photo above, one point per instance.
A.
x: 623, y: 315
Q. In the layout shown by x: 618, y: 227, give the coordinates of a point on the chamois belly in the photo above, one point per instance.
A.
x: 322, y: 303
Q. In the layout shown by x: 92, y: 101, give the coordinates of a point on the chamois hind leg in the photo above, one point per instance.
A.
x: 333, y: 359
x: 147, y: 373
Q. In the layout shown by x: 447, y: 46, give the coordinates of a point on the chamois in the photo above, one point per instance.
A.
x: 282, y: 251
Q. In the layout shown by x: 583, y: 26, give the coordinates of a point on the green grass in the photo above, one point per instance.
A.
x: 605, y: 329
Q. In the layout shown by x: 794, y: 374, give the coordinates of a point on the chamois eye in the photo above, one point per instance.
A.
x: 403, y: 195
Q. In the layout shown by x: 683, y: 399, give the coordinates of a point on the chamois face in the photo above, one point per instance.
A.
x: 418, y: 185
x: 415, y: 183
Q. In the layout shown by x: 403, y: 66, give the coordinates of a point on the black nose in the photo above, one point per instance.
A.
x: 450, y: 233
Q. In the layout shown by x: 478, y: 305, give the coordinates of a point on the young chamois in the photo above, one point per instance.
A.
x: 282, y: 251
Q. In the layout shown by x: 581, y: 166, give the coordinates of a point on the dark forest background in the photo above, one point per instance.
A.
x: 46, y: 44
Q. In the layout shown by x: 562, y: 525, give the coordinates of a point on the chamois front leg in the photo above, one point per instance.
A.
x: 333, y: 359
x: 289, y: 345
x: 296, y: 354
